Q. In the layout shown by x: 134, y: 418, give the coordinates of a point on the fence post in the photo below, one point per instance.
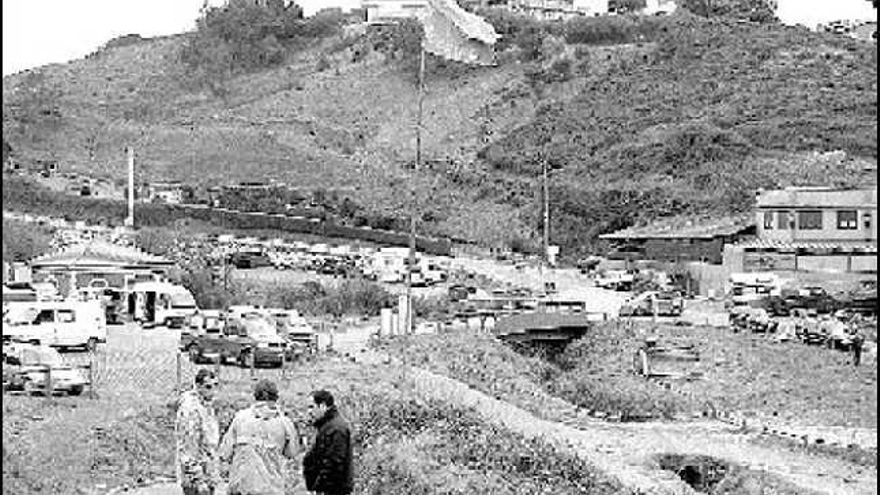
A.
x: 92, y: 374
x: 49, y: 381
x: 177, y: 386
x: 253, y: 360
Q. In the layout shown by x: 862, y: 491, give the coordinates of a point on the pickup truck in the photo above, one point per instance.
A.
x: 813, y: 299
x: 249, y: 340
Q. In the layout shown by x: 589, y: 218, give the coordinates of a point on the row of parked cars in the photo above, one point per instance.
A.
x: 835, y: 331
x: 249, y: 336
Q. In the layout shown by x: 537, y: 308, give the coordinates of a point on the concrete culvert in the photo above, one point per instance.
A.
x: 702, y: 473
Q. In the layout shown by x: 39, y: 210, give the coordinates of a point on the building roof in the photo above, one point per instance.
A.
x: 705, y: 228
x: 787, y: 246
x: 98, y: 254
x: 817, y: 197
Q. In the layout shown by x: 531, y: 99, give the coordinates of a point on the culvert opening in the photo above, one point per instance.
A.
x: 702, y: 473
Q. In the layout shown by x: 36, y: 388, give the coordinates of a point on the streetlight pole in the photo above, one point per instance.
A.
x: 408, y: 319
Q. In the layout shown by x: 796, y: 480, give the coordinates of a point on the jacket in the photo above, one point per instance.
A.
x: 327, y: 466
x: 257, y: 439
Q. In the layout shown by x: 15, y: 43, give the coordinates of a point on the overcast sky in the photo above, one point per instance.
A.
x: 39, y: 32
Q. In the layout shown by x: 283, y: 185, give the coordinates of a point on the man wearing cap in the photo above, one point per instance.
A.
x: 198, y: 434
x: 257, y: 440
x: 327, y: 467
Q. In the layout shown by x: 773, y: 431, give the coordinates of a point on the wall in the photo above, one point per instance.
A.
x: 829, y: 202
x: 832, y: 271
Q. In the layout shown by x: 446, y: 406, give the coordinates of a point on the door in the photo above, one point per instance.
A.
x: 43, y: 328
x: 68, y: 332
x: 150, y: 307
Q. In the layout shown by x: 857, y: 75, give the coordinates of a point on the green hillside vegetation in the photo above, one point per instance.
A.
x: 638, y: 118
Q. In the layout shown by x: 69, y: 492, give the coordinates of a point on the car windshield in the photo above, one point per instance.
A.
x: 182, y: 300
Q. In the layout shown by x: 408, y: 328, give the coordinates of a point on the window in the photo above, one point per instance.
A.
x: 768, y: 220
x: 810, y: 220
x: 847, y: 220
x: 65, y: 316
x: 784, y: 220
x: 45, y: 316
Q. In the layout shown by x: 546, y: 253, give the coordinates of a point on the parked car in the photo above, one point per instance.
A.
x: 31, y: 368
x: 813, y: 299
x: 249, y: 259
x: 619, y: 280
x: 666, y: 303
x: 249, y: 339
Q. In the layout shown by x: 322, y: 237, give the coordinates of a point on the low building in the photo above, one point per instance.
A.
x: 77, y: 266
x: 680, y: 240
x: 172, y: 192
x: 385, y: 11
x: 559, y: 9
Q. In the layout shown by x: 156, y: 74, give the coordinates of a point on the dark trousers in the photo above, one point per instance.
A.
x: 857, y: 355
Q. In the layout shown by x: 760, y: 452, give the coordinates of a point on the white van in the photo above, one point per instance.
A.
x: 62, y: 324
x: 161, y: 303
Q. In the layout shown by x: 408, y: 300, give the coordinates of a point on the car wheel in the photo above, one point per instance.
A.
x: 76, y: 390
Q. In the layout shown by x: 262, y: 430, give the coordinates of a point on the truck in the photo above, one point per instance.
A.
x: 157, y: 303
x: 302, y: 340
x: 812, y: 299
x: 249, y: 340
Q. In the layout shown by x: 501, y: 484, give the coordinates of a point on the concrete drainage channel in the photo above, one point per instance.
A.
x: 713, y: 476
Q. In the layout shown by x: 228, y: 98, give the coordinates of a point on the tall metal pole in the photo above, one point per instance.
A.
x: 546, y: 189
x: 129, y: 221
x: 412, y: 215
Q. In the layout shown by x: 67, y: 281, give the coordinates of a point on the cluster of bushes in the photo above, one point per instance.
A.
x: 244, y: 36
x: 411, y: 446
x: 23, y: 241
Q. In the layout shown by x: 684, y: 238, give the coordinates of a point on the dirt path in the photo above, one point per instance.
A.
x: 625, y: 450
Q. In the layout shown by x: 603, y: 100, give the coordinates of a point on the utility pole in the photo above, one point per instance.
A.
x: 129, y: 221
x: 412, y: 215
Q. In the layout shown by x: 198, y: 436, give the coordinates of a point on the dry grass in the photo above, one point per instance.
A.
x: 125, y: 436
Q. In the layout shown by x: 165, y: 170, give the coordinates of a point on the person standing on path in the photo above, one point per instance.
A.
x: 327, y: 466
x: 197, y: 435
x: 257, y: 440
x: 858, y: 340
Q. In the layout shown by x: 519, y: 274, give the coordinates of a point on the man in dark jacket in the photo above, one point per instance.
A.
x: 327, y: 466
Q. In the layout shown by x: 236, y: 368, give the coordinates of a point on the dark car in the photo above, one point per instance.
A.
x: 812, y: 299
x: 248, y: 259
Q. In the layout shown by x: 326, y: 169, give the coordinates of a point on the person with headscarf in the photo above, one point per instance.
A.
x: 257, y: 441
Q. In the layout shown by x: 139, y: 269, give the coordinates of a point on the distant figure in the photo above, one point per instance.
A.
x: 327, y: 467
x: 256, y: 441
x: 198, y: 436
x: 858, y: 340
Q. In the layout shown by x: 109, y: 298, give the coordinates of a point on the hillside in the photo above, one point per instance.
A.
x: 676, y: 115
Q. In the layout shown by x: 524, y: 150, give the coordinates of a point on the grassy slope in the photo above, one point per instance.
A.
x: 642, y: 131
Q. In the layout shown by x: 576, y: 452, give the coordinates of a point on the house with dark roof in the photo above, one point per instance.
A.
x: 695, y: 239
